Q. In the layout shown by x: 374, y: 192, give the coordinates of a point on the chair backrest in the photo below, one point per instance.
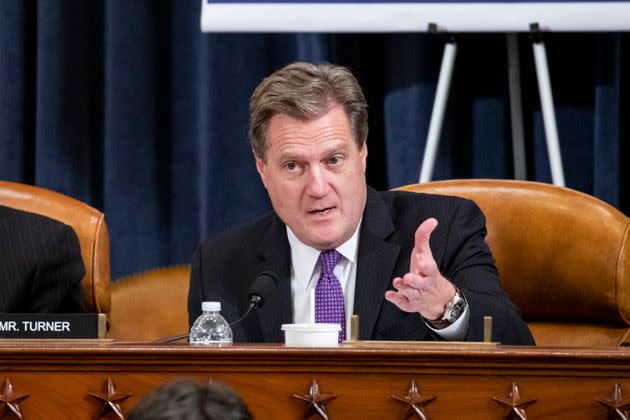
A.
x: 87, y: 222
x: 150, y: 305
x: 563, y: 257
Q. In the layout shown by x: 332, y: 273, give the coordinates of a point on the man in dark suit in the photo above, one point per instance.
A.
x: 412, y: 266
x: 40, y: 264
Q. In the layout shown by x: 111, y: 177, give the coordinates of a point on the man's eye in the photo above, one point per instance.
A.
x: 334, y: 160
x: 291, y: 166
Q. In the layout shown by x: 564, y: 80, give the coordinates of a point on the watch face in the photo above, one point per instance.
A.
x: 455, y: 310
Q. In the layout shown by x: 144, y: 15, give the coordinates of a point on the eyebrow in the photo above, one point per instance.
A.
x: 340, y: 146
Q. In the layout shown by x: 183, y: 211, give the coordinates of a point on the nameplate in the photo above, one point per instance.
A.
x: 59, y: 326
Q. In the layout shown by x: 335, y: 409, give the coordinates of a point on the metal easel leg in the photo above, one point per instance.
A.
x: 546, y: 101
x: 439, y: 105
x: 516, y: 108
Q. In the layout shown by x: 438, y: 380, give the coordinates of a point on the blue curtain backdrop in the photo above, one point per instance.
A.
x: 127, y: 106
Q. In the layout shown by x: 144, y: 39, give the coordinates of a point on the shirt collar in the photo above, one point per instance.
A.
x: 304, y: 258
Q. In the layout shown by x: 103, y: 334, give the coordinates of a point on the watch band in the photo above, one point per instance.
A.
x: 439, y: 324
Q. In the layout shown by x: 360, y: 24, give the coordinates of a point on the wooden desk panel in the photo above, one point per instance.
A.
x: 564, y: 382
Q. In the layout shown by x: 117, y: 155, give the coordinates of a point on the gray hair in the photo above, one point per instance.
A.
x: 306, y: 91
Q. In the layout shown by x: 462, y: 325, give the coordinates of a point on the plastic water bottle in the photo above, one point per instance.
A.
x: 211, y: 328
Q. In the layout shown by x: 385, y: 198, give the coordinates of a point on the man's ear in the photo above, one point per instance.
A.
x: 363, y: 154
x: 261, y: 167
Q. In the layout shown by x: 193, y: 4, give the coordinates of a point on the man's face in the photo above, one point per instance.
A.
x: 315, y: 177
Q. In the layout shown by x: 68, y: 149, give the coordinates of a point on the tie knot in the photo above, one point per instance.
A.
x: 328, y: 260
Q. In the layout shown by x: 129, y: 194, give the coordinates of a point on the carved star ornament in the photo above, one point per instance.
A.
x: 10, y: 401
x: 618, y: 407
x: 111, y: 400
x: 315, y: 401
x: 414, y: 402
x: 516, y: 405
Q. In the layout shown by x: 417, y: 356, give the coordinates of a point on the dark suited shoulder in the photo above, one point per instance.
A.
x: 459, y: 239
x: 408, y: 209
x: 461, y: 224
x: 41, y: 267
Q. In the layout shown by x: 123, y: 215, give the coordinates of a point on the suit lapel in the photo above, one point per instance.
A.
x: 274, y: 255
x: 376, y: 262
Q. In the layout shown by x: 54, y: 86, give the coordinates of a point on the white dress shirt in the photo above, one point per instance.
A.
x: 305, y: 274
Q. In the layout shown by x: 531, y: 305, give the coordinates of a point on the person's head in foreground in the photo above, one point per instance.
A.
x: 185, y: 399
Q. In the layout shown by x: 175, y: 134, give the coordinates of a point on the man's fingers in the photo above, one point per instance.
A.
x: 412, y: 280
x: 418, y: 293
x: 397, y: 299
x: 394, y: 297
x: 409, y: 286
x: 421, y: 257
x: 423, y: 234
x: 422, y: 263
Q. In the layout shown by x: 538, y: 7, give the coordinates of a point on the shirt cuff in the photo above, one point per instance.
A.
x: 457, y: 330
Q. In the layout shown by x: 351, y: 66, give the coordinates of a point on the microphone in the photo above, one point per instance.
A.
x: 263, y: 287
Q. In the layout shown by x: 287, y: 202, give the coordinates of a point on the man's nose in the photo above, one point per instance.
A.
x: 317, y: 183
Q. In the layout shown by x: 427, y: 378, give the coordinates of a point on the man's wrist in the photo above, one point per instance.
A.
x: 453, y: 309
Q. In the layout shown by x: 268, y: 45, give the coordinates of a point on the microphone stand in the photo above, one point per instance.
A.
x: 172, y: 338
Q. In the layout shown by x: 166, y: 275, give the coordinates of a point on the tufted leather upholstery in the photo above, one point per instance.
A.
x: 87, y: 222
x: 150, y: 305
x: 563, y: 256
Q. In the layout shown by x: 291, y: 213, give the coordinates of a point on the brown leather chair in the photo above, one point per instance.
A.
x: 151, y: 305
x: 87, y: 222
x: 563, y: 256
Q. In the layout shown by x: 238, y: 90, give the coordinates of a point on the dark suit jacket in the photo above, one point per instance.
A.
x: 40, y: 264
x: 223, y: 268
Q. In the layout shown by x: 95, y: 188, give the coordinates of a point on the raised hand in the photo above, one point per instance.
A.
x: 423, y: 289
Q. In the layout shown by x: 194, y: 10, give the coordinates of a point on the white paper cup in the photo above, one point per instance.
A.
x: 311, y: 335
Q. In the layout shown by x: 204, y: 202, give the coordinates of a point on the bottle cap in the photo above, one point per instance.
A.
x: 211, y: 306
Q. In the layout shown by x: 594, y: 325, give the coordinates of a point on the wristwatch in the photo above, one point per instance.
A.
x: 452, y: 311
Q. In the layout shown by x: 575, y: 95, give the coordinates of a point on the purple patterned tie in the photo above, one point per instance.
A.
x: 329, y: 304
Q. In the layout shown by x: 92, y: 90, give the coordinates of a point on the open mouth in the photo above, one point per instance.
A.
x: 322, y: 212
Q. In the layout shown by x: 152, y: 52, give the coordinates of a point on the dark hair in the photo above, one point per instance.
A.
x: 188, y: 400
x: 306, y: 91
